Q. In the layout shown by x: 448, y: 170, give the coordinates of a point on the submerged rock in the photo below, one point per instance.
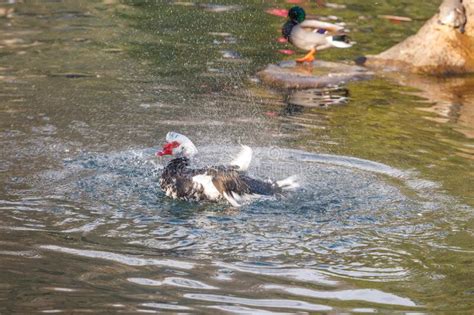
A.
x: 318, y: 74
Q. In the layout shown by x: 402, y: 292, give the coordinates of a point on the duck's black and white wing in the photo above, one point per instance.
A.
x: 232, y: 184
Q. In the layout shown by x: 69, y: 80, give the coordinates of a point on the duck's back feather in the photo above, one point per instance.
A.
x: 320, y: 25
x: 180, y: 182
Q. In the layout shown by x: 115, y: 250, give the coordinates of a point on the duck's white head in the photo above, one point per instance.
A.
x: 177, y: 145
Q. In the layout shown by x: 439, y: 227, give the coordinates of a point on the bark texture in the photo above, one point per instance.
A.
x: 445, y: 44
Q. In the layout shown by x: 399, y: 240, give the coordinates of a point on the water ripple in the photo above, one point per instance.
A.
x: 120, y: 258
x: 245, y: 310
x: 346, y: 209
x: 165, y: 306
x: 300, y: 274
x: 366, y: 295
x: 173, y: 281
x: 271, y: 303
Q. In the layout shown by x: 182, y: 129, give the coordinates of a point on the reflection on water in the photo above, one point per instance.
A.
x: 276, y: 303
x: 87, y: 92
x: 127, y: 260
x: 324, y: 97
x: 367, y: 295
x: 451, y: 99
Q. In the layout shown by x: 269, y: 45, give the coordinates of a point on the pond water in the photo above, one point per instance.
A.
x: 384, y: 220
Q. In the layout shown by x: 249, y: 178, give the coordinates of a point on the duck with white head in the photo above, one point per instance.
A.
x: 231, y: 183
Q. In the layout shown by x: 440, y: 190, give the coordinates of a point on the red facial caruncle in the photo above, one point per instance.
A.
x: 168, y: 148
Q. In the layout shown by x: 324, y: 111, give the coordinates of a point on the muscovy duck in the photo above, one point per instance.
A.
x: 231, y: 183
x: 312, y: 35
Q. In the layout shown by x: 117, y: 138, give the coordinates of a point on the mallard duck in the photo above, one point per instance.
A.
x: 312, y: 35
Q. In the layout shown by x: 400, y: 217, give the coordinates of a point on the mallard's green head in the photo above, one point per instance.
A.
x: 296, y: 14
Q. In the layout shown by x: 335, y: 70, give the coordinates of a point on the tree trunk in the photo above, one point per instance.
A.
x: 445, y: 44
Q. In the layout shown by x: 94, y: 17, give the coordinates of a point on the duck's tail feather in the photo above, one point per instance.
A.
x: 340, y: 41
x: 258, y: 189
x: 289, y: 183
x: 243, y: 159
